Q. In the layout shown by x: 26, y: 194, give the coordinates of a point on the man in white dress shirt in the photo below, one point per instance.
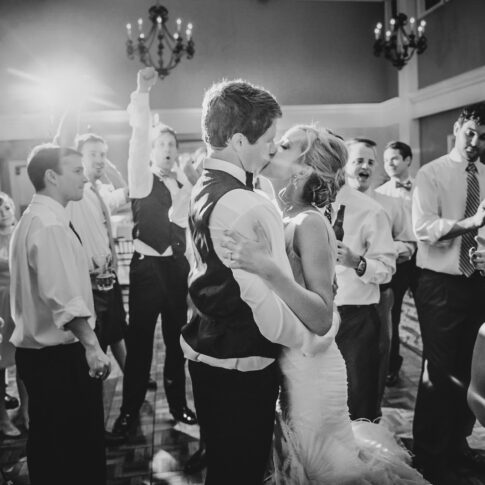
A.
x: 366, y: 259
x: 159, y: 268
x: 397, y: 160
x: 58, y: 355
x: 363, y: 157
x: 448, y: 208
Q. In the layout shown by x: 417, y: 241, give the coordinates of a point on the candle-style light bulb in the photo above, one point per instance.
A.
x: 420, y: 30
x: 179, y: 25
x: 412, y: 20
x: 379, y: 26
x: 188, y: 34
x: 140, y: 25
x: 388, y: 34
x: 128, y: 31
x: 377, y: 33
x: 159, y: 23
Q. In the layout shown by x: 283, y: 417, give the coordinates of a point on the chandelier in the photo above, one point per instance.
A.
x: 168, y: 49
x: 401, y: 41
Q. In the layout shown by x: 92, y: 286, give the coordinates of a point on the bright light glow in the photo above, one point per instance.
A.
x: 60, y: 88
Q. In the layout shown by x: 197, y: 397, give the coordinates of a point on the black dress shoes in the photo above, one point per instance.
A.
x: 152, y: 384
x: 11, y: 402
x: 184, y: 415
x: 197, y: 462
x: 123, y: 425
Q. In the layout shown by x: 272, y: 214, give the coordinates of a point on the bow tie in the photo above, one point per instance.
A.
x: 406, y: 185
x: 249, y: 180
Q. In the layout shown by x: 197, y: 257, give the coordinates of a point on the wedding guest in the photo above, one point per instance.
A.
x: 58, y: 355
x: 397, y: 160
x: 91, y: 216
x: 159, y: 269
x: 447, y: 213
x: 366, y: 259
x: 363, y: 156
x: 7, y: 350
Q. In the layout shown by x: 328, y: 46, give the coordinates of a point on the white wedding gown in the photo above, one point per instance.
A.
x: 315, y: 441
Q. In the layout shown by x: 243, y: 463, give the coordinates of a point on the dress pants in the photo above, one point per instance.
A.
x: 358, y: 340
x: 450, y: 311
x: 66, y: 435
x: 158, y: 286
x: 404, y: 278
x: 236, y: 412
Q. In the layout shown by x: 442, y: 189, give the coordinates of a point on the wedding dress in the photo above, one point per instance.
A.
x: 315, y: 440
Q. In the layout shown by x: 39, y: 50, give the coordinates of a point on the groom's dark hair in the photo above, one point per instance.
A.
x: 237, y: 106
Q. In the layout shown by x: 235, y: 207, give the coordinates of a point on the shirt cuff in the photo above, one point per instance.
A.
x: 76, y: 308
x: 433, y: 232
x: 374, y: 272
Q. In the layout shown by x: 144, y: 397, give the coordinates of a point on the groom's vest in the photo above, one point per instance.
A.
x: 223, y: 325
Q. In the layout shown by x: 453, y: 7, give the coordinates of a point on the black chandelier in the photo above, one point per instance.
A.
x: 400, y: 41
x: 169, y: 49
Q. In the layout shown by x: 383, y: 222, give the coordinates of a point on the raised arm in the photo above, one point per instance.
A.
x: 68, y: 127
x: 139, y: 174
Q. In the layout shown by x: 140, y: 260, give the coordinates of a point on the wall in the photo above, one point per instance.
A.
x: 456, y: 37
x: 305, y: 52
x: 434, y: 130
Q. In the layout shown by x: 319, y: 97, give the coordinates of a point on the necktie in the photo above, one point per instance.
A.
x: 472, y: 203
x: 249, y: 180
x: 109, y: 228
x: 75, y: 232
x: 406, y: 185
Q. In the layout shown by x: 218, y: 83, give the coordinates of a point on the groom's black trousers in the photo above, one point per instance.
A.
x: 236, y: 412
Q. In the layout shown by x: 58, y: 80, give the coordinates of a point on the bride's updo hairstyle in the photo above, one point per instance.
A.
x: 326, y: 154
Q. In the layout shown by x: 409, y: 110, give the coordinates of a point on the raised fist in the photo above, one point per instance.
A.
x: 147, y: 78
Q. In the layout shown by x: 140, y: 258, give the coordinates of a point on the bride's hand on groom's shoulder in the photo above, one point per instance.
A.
x: 252, y: 255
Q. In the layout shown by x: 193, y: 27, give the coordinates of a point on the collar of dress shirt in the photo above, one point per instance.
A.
x: 230, y: 168
x: 157, y: 172
x: 53, y: 205
x: 455, y: 156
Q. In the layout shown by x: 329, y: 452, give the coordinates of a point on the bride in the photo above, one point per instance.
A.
x: 315, y: 441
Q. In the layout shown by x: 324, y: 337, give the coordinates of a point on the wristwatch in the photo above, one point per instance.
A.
x: 361, y: 267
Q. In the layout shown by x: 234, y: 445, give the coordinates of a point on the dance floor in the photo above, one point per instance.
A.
x: 156, y: 454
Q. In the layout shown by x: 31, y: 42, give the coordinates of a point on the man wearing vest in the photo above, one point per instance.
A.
x: 159, y: 269
x: 234, y: 338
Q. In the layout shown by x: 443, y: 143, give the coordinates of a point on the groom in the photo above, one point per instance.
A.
x: 239, y: 324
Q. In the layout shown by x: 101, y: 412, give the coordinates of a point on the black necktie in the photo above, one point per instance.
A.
x: 406, y: 185
x: 472, y: 203
x: 75, y: 232
x: 249, y: 180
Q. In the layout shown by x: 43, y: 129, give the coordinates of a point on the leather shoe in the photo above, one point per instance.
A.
x: 197, y: 462
x: 184, y: 415
x: 123, y: 425
x: 11, y: 402
x: 152, y: 384
x: 392, y: 379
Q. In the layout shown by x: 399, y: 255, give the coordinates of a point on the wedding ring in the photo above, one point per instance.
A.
x: 99, y: 374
